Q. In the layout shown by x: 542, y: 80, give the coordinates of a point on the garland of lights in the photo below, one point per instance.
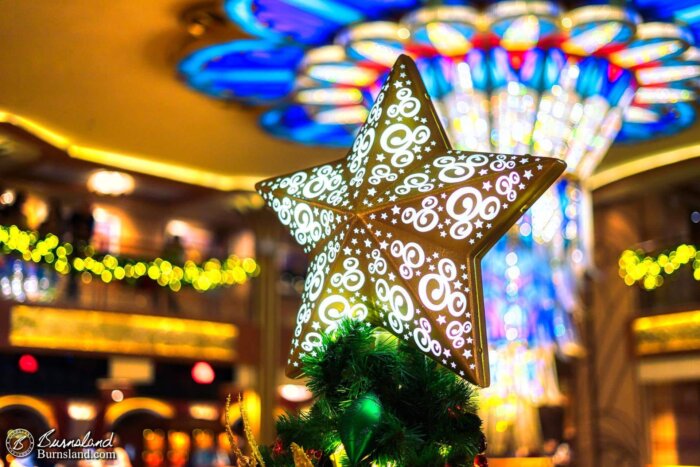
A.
x: 63, y: 257
x: 648, y: 271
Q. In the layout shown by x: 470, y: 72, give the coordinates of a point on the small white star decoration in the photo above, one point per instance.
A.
x: 396, y: 230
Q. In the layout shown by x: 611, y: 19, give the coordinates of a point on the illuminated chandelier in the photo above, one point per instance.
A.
x: 517, y: 77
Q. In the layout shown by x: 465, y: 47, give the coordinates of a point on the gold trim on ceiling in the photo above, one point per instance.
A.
x: 132, y: 162
x: 643, y: 164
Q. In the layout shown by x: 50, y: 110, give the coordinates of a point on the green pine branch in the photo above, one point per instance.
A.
x: 428, y: 415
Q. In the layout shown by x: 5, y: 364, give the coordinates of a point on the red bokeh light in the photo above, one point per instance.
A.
x: 28, y: 364
x: 203, y: 373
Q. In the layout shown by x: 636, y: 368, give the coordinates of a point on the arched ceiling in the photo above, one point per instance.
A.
x: 100, y: 76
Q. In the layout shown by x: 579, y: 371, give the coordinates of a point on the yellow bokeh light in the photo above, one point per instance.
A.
x: 210, y: 274
x: 635, y: 266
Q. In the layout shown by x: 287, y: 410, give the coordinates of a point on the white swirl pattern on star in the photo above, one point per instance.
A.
x: 366, y: 219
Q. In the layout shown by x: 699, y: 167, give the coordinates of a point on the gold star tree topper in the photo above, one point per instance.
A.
x: 396, y: 230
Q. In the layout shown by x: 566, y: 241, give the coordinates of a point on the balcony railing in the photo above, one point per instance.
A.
x: 26, y: 282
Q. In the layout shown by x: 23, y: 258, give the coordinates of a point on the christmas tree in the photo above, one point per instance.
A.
x: 379, y: 401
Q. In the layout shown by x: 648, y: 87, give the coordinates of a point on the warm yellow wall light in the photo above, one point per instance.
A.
x: 136, y: 163
x: 121, y: 333
x: 111, y: 183
x: 674, y: 332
